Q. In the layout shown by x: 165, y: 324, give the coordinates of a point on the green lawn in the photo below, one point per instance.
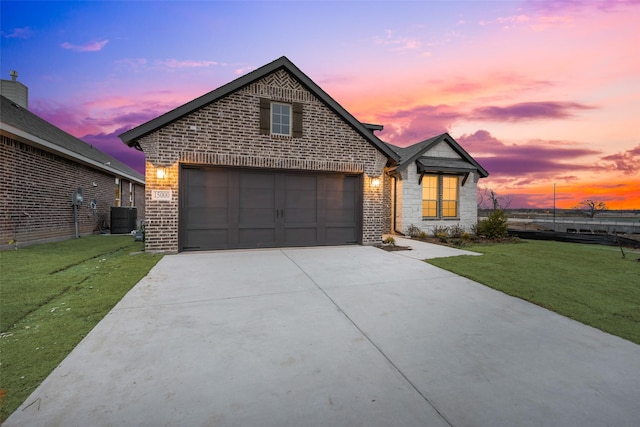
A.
x: 51, y: 296
x: 589, y: 283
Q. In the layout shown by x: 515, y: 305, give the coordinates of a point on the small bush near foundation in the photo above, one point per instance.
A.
x: 389, y: 241
x: 413, y: 231
x: 443, y: 237
x: 422, y: 235
x: 440, y: 229
x: 456, y: 230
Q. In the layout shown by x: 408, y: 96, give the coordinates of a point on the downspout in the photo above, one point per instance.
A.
x: 395, y: 205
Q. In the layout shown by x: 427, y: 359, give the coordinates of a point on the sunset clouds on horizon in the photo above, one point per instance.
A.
x: 541, y: 93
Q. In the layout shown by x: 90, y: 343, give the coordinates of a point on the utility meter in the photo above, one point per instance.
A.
x: 76, y: 197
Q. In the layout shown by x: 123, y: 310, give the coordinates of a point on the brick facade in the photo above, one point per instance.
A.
x: 227, y: 132
x: 35, y: 195
x: 409, y: 205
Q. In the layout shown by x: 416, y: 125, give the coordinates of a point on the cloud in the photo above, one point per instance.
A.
x: 88, y: 47
x: 627, y: 162
x: 19, y: 33
x: 408, y: 126
x: 110, y: 143
x: 528, y: 111
x: 112, y: 113
x: 134, y: 64
x: 177, y: 64
x: 413, y: 125
x: 524, y: 164
x: 573, y: 6
x: 506, y: 20
x: 397, y: 43
x: 243, y: 70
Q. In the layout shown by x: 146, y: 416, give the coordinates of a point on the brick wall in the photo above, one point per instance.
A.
x: 35, y: 195
x: 227, y: 132
x: 409, y: 211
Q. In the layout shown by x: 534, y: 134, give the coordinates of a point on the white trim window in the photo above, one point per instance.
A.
x: 118, y: 193
x: 280, y: 119
x: 440, y: 196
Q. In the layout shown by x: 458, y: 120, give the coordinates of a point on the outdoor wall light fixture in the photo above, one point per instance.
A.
x: 375, y: 182
x: 161, y: 172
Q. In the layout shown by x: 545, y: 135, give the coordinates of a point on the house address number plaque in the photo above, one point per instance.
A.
x: 161, y: 195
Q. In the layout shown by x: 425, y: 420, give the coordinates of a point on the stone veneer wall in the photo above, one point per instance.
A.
x: 410, y: 211
x: 227, y: 132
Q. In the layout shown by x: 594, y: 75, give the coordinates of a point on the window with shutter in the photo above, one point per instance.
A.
x: 265, y: 116
x: 278, y: 118
x: 297, y: 120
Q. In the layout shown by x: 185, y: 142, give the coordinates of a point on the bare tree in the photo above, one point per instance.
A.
x: 592, y: 207
x: 489, y: 199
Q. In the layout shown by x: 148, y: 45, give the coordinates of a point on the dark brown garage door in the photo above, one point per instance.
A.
x: 223, y: 208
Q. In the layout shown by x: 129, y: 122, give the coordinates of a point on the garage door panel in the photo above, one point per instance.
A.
x: 242, y: 208
x: 207, y: 239
x: 341, y: 235
x: 203, y: 217
x: 256, y: 217
x: 301, y: 215
x: 300, y: 236
x: 340, y: 216
x: 256, y: 237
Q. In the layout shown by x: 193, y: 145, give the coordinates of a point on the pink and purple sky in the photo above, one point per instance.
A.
x: 539, y: 92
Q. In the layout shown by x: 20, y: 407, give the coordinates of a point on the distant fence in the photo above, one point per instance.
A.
x: 584, y: 225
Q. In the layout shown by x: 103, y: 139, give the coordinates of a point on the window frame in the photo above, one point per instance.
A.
x: 118, y: 193
x: 445, y: 201
x: 429, y: 200
x: 441, y: 201
x: 280, y: 124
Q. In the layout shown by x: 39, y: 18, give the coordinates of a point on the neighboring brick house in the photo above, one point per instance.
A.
x: 268, y: 160
x: 434, y: 185
x: 42, y: 166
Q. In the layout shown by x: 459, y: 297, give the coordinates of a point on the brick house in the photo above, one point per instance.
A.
x: 41, y: 167
x: 267, y: 160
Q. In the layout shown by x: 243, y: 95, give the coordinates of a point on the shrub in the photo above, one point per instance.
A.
x: 442, y: 236
x: 413, y: 231
x: 494, y: 226
x: 466, y: 236
x: 389, y: 241
x: 458, y: 242
x: 456, y: 230
x: 440, y: 229
x: 422, y: 235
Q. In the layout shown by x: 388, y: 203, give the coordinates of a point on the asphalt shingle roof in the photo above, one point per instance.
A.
x: 414, y: 152
x: 130, y: 137
x: 26, y: 121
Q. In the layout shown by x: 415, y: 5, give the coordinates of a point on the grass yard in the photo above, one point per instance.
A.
x: 589, y: 283
x: 51, y: 296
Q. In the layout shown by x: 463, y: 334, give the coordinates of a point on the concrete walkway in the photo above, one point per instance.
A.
x: 422, y: 250
x: 336, y: 336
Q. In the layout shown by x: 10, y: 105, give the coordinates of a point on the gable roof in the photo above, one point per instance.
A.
x: 414, y: 152
x: 23, y: 125
x: 130, y: 137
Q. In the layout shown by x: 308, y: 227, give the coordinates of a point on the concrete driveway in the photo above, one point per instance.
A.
x: 344, y: 336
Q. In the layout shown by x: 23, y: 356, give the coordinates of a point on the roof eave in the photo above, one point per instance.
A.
x: 34, y: 140
x: 130, y: 137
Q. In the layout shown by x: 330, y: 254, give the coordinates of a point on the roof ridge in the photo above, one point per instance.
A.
x: 130, y: 137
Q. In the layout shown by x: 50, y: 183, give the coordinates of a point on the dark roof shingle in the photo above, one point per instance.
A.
x: 26, y: 121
